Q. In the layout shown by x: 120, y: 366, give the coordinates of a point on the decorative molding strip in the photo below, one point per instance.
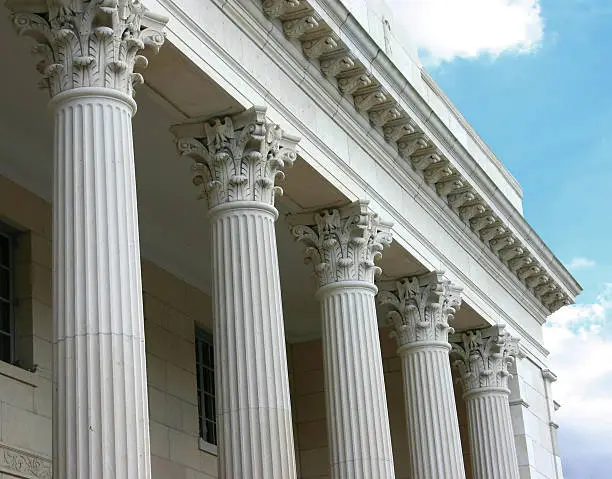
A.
x: 23, y: 464
x: 323, y: 46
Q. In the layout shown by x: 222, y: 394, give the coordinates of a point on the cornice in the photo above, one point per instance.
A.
x: 363, y: 74
x: 253, y: 22
x: 471, y: 132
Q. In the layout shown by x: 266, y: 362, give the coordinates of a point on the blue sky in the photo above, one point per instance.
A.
x: 534, y: 78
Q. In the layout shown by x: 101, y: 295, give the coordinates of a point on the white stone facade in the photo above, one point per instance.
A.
x: 307, y: 120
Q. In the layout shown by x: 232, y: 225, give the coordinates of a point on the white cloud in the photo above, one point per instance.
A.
x: 446, y: 29
x: 579, y: 339
x: 580, y: 262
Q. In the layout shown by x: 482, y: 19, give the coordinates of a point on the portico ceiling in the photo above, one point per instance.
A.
x: 173, y: 224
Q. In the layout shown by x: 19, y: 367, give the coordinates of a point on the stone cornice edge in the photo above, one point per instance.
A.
x: 431, y: 83
x: 252, y: 15
x: 354, y: 73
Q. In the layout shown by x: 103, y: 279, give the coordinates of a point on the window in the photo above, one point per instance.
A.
x: 6, y: 296
x: 205, y: 369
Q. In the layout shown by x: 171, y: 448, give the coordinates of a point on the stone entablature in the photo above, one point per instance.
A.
x: 322, y: 44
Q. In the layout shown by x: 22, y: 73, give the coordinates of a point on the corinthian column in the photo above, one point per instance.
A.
x: 419, y: 310
x: 342, y: 245
x: 482, y: 358
x: 100, y: 415
x: 236, y: 162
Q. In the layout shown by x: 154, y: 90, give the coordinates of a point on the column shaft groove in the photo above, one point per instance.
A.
x: 100, y: 412
x: 358, y: 420
x: 431, y: 417
x: 253, y: 404
x: 491, y: 439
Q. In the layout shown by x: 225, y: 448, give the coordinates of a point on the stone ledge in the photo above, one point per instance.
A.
x: 18, y: 374
x: 207, y: 447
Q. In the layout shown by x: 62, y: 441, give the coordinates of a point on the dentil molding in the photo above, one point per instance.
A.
x: 237, y: 158
x: 89, y: 43
x: 420, y: 308
x: 342, y: 244
x: 481, y: 357
x: 322, y: 44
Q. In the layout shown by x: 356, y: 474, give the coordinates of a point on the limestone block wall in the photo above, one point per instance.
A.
x: 173, y: 308
x: 25, y: 392
x: 531, y: 410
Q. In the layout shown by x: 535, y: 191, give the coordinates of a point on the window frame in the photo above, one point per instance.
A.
x: 203, y: 336
x: 9, y: 234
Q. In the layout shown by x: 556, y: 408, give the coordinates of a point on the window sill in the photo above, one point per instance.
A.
x: 207, y: 447
x: 19, y: 374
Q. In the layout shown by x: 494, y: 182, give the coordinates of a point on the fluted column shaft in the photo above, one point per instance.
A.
x: 491, y: 437
x: 358, y: 420
x: 100, y: 415
x: 431, y: 413
x: 253, y: 404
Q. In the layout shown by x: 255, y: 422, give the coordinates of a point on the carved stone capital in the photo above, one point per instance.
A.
x: 420, y: 308
x: 481, y: 357
x: 342, y: 244
x: 89, y: 43
x: 237, y: 158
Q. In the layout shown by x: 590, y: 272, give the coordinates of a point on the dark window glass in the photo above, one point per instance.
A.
x: 206, y: 386
x: 5, y: 348
x: 5, y: 250
x: 5, y: 284
x: 6, y: 296
x: 5, y: 317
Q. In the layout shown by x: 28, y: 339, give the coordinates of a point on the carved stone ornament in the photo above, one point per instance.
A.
x: 339, y: 60
x: 90, y: 43
x: 352, y: 83
x: 343, y: 244
x: 23, y: 464
x: 277, y: 8
x: 237, y: 159
x: 420, y: 308
x: 482, y: 357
